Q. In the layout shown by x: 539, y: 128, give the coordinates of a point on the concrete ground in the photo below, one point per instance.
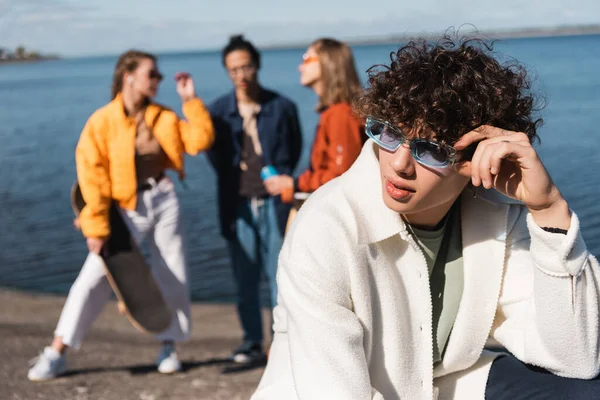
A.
x: 116, y: 361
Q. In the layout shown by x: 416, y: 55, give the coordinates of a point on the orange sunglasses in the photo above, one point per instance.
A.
x: 306, y: 59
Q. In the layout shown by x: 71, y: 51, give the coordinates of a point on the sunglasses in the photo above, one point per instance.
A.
x: 426, y: 152
x: 307, y: 59
x: 244, y: 69
x: 154, y: 74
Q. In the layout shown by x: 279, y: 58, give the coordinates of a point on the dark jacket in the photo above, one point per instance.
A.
x: 281, y: 141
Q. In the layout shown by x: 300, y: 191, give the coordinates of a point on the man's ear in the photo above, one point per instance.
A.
x: 463, y: 168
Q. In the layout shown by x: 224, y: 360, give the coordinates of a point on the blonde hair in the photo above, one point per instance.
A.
x: 338, y: 72
x: 127, y: 62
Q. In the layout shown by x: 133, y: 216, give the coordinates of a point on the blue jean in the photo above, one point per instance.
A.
x: 510, y: 379
x: 254, y: 249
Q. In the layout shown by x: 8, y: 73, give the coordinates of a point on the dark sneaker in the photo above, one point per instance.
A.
x: 248, y: 353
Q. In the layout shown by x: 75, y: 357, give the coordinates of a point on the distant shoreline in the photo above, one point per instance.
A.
x: 395, y: 39
x: 525, y: 33
x: 27, y: 60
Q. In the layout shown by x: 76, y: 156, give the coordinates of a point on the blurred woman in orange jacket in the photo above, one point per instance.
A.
x: 327, y: 68
x: 121, y: 157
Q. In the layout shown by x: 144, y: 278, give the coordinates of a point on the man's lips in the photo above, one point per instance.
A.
x: 398, y: 191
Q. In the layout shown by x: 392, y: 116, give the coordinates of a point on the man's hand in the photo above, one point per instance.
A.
x: 276, y: 184
x: 507, y: 161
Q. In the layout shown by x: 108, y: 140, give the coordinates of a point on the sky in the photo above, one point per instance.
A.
x: 96, y: 27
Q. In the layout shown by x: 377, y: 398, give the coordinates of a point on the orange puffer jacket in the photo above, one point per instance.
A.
x: 105, y: 155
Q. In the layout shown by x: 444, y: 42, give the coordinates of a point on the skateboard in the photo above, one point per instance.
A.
x: 130, y: 277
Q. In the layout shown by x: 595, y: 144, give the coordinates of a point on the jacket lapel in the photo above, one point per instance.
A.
x: 362, y: 187
x: 484, y: 226
x: 268, y: 131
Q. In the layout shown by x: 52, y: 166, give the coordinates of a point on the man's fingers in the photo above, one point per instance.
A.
x: 483, y: 168
x: 489, y: 160
x: 182, y: 75
x: 481, y: 133
x: 272, y: 186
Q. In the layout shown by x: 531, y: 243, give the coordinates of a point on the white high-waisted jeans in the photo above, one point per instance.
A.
x: 157, y: 218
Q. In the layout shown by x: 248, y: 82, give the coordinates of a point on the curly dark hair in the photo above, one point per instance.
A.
x: 448, y: 88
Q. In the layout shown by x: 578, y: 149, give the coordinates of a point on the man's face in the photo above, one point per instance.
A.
x: 423, y: 194
x: 241, y: 69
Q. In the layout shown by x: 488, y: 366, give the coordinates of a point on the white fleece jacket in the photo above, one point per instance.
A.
x: 354, y: 313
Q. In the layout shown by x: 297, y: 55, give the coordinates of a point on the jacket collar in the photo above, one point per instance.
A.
x: 362, y: 184
x: 153, y: 110
x: 264, y: 99
x: 375, y: 221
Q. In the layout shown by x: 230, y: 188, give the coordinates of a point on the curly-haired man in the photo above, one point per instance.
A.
x: 446, y: 232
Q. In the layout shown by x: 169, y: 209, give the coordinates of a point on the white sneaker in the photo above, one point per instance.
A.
x: 167, y: 360
x: 48, y: 365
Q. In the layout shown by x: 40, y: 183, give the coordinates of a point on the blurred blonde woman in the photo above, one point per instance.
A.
x: 328, y: 69
x: 139, y: 140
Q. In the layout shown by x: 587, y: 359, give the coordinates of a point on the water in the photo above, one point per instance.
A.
x: 44, y: 106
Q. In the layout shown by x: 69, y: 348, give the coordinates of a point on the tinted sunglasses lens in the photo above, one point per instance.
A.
x: 429, y: 153
x: 384, y: 136
x: 306, y: 59
x: 156, y: 75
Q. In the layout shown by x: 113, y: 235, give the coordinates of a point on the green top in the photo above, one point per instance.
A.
x: 445, y: 267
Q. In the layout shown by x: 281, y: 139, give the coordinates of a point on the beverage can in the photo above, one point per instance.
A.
x: 268, y: 172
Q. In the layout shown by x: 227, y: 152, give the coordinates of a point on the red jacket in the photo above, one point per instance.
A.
x: 338, y: 142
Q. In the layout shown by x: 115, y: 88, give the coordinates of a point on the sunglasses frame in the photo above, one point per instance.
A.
x: 155, y: 74
x: 452, y: 152
x: 244, y: 69
x: 306, y: 59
